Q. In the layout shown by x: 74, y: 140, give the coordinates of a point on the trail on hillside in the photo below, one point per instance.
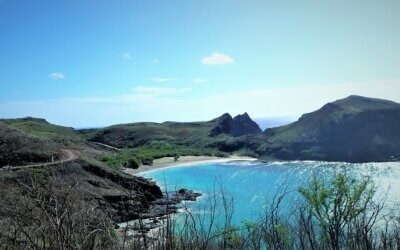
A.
x: 106, y: 146
x: 67, y: 156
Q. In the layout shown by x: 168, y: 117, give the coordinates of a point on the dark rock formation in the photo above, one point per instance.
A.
x: 224, y: 125
x: 187, y: 195
x: 244, y: 125
x: 238, y: 126
x: 169, y: 203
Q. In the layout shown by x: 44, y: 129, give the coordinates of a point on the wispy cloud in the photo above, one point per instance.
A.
x: 155, y: 61
x: 127, y: 56
x: 217, y: 59
x: 161, y: 79
x: 199, y: 80
x: 57, y: 76
x: 160, y: 104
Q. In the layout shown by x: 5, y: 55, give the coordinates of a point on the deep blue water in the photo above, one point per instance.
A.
x: 252, y: 185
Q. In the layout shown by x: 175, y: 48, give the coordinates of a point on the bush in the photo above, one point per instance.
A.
x: 337, y: 204
x: 53, y: 216
x: 132, y: 163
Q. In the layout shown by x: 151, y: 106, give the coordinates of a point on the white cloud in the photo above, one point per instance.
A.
x: 161, y: 79
x: 161, y: 104
x: 155, y: 61
x: 217, y: 59
x: 57, y: 76
x: 127, y: 56
x: 199, y: 80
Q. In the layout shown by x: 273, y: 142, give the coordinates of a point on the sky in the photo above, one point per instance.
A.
x: 91, y: 63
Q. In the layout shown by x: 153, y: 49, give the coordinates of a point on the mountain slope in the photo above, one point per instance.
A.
x: 193, y: 134
x: 18, y: 147
x: 354, y: 129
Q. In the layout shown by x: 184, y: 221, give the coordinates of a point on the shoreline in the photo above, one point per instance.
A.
x: 190, y: 160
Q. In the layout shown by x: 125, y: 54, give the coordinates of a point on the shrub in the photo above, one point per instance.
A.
x: 132, y: 163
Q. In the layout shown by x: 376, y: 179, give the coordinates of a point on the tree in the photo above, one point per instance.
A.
x: 337, y: 204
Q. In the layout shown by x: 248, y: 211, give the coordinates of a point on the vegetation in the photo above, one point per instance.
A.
x: 42, y: 216
x: 337, y: 205
x: 144, y: 155
x: 340, y: 214
x: 41, y: 128
x: 195, y: 135
x: 77, y: 209
x: 353, y: 129
x: 18, y: 147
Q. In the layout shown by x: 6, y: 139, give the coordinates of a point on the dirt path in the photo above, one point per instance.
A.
x: 106, y: 146
x: 67, y: 156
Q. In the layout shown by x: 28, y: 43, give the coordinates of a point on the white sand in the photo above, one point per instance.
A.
x: 189, y: 160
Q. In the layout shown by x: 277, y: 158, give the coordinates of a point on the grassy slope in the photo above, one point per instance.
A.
x: 42, y: 129
x: 349, y: 129
x: 139, y: 134
x: 141, y: 141
x: 147, y: 141
x: 18, y: 147
x: 33, y: 140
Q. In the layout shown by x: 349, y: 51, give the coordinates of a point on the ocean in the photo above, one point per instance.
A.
x: 249, y: 187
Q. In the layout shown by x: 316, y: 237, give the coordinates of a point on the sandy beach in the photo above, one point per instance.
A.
x: 185, y: 161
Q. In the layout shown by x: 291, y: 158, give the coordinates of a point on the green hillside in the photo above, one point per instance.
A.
x: 42, y: 129
x: 355, y: 129
x: 18, y: 147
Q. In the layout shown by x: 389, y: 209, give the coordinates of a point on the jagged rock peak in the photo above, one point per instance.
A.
x: 225, y: 116
x: 243, y: 125
x: 237, y: 126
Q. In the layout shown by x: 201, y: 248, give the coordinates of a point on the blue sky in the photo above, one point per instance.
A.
x: 96, y: 62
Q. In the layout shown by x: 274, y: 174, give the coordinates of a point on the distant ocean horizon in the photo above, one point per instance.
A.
x: 272, y: 122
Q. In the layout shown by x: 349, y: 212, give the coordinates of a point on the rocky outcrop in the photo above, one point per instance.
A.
x: 142, y: 197
x: 238, y: 126
x: 147, y: 190
x: 169, y: 203
x: 224, y: 125
x: 244, y: 125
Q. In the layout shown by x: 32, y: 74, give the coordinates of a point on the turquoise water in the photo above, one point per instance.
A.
x: 252, y: 185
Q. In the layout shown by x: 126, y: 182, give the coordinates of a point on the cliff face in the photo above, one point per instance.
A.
x: 224, y: 125
x: 354, y: 129
x: 244, y: 125
x: 123, y: 196
x: 238, y: 126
